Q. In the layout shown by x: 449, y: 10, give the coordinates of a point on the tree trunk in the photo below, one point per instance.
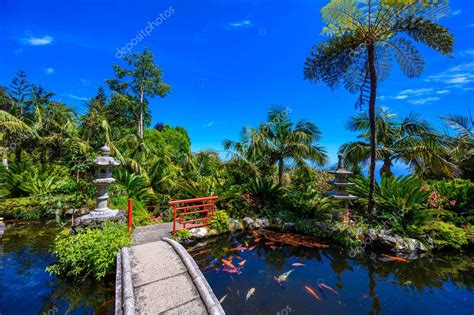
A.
x: 386, y: 168
x: 140, y: 118
x: 281, y: 169
x: 373, y: 144
x: 18, y: 153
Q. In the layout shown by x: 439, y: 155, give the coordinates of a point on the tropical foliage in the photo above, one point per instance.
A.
x: 365, y: 38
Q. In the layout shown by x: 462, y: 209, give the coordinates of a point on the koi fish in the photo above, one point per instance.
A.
x: 246, y: 244
x: 238, y: 248
x: 242, y: 262
x: 257, y: 240
x: 269, y: 243
x: 222, y: 299
x: 229, y: 270
x: 230, y: 259
x: 322, y: 285
x: 249, y: 294
x: 273, y: 247
x: 228, y: 264
x: 395, y: 258
x: 298, y: 265
x: 310, y: 291
x: 283, y: 277
x: 252, y: 248
x: 239, y: 258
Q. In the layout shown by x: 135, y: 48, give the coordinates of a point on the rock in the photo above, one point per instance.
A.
x: 262, y: 223
x: 212, y: 232
x: 96, y: 219
x: 235, y: 225
x: 2, y: 227
x: 198, y: 232
x: 289, y: 226
x: 247, y: 223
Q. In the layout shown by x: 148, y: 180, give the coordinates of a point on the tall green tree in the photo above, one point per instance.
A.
x: 280, y: 141
x: 364, y: 38
x: 142, y: 80
x: 410, y: 140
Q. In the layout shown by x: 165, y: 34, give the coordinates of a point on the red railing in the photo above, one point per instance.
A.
x: 204, y: 207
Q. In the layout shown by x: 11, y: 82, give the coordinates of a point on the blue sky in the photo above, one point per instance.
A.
x: 228, y: 61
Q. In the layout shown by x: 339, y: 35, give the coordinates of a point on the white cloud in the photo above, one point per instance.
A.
x: 442, y: 92
x: 469, y: 52
x: 400, y: 97
x: 456, y: 76
x: 209, y: 124
x: 40, y: 41
x: 416, y: 91
x: 424, y: 100
x: 240, y: 24
x: 456, y: 12
x: 470, y: 25
x: 77, y: 97
x: 49, y: 71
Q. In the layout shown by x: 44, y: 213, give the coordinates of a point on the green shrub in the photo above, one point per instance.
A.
x: 220, y: 221
x: 311, y: 227
x: 140, y: 216
x: 90, y: 252
x: 445, y: 234
x: 182, y: 235
x: 455, y: 195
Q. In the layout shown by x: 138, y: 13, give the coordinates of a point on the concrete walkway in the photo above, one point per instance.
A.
x: 157, y: 276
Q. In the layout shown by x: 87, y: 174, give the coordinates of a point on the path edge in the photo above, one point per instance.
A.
x: 210, y: 300
x: 124, y: 298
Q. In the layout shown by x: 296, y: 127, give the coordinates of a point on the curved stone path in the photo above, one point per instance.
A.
x: 157, y: 276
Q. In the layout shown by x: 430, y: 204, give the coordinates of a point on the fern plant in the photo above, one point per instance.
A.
x: 365, y: 37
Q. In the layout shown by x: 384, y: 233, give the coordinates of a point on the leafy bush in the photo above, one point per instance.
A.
x: 400, y: 201
x: 182, y: 235
x: 445, y: 234
x: 140, y: 216
x: 89, y: 253
x: 220, y: 221
x: 27, y: 179
x: 457, y: 195
x: 311, y: 227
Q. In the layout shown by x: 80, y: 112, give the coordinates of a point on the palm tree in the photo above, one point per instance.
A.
x: 365, y: 36
x: 462, y: 145
x: 279, y: 140
x: 410, y: 140
x: 10, y: 128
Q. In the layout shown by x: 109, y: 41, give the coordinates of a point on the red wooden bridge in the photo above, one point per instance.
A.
x: 192, y: 213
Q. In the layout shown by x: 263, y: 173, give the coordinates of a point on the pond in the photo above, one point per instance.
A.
x: 25, y: 286
x: 285, y: 279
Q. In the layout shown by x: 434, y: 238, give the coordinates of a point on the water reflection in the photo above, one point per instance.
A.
x: 367, y: 283
x: 25, y: 287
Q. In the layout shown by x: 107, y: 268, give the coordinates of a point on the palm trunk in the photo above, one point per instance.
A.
x: 386, y: 168
x: 140, y: 118
x: 281, y: 168
x: 373, y: 94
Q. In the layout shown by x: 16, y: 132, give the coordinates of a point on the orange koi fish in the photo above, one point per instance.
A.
x: 257, y: 240
x: 252, y: 248
x: 269, y: 243
x: 228, y: 264
x: 230, y: 258
x: 242, y: 262
x: 310, y: 291
x: 230, y: 270
x: 298, y: 265
x: 322, y: 285
x: 395, y: 258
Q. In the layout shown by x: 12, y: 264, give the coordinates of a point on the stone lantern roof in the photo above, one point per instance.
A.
x: 105, y: 159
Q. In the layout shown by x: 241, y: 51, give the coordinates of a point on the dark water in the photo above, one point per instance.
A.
x: 365, y: 284
x: 25, y: 287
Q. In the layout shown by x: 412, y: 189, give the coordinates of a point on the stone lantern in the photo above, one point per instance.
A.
x: 341, y: 183
x: 103, y: 179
